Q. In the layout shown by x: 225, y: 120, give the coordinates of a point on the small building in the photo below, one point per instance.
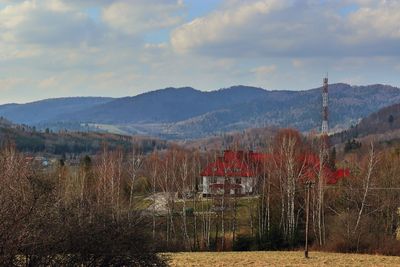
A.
x: 234, y: 173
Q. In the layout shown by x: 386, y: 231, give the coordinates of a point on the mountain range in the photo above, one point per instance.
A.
x: 47, y: 110
x: 181, y: 113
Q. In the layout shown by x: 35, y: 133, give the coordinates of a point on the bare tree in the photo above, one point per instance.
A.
x: 320, y: 212
x: 366, y: 184
x: 289, y: 170
x: 154, y: 163
x: 17, y: 201
x: 136, y: 162
x: 183, y: 189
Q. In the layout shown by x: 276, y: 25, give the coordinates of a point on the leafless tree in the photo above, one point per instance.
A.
x: 136, y: 162
x: 366, y: 184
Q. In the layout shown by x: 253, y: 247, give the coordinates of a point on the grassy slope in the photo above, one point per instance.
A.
x: 278, y: 258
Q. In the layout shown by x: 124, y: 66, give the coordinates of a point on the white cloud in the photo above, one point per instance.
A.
x: 133, y: 17
x: 48, y: 83
x: 223, y: 26
x: 156, y: 46
x: 57, y: 5
x: 373, y: 22
x: 264, y: 70
x: 269, y: 28
x: 46, y: 22
x: 13, y: 15
x: 8, y: 84
x: 298, y: 63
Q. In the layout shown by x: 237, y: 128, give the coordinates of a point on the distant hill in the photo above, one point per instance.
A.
x: 385, y: 121
x: 183, y: 113
x: 256, y: 139
x: 48, y: 109
x: 166, y: 105
x: 29, y: 140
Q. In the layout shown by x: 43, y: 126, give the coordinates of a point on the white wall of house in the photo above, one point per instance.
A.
x: 247, y: 184
x: 206, y: 185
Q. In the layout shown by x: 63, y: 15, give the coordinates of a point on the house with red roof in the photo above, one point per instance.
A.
x: 235, y: 173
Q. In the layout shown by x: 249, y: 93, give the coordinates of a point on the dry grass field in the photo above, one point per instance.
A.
x: 270, y: 258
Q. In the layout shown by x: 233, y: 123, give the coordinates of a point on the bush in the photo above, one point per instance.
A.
x: 41, y: 225
x: 274, y: 240
x: 189, y: 211
x: 100, y: 241
x: 245, y: 243
x: 142, y: 185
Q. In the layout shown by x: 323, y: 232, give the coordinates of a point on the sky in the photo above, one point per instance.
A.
x: 57, y: 48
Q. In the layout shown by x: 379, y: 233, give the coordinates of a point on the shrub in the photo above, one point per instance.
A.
x: 245, y: 243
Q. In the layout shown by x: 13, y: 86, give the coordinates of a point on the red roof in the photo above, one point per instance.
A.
x: 235, y: 164
x: 246, y: 164
x: 311, y: 169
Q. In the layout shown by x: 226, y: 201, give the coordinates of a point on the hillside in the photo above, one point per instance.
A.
x: 257, y: 139
x: 386, y: 119
x: 48, y: 109
x: 166, y: 105
x: 28, y: 140
x: 182, y: 113
x: 384, y: 122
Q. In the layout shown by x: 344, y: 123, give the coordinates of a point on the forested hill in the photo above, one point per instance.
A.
x: 27, y: 139
x: 384, y: 121
x: 49, y: 109
x: 189, y: 113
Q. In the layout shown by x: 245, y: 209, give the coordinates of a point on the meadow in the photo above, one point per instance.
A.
x: 278, y: 258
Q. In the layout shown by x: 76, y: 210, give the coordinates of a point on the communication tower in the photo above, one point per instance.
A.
x: 324, y: 128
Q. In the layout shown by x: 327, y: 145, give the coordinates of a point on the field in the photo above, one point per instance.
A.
x: 269, y: 258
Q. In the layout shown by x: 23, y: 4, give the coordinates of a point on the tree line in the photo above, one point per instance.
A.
x: 123, y: 206
x: 274, y: 217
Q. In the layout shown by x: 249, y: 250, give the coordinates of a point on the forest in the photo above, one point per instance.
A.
x: 123, y: 207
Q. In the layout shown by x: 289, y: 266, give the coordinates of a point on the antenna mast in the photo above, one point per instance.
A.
x: 324, y: 128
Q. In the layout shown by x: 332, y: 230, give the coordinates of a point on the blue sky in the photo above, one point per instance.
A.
x: 55, y: 48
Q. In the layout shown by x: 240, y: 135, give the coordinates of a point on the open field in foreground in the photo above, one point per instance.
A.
x: 278, y: 258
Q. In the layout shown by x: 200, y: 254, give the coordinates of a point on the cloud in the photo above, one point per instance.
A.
x: 142, y: 15
x: 8, y: 84
x: 375, y: 22
x: 56, y: 5
x: 13, y: 15
x: 51, y: 48
x: 46, y: 22
x: 289, y: 28
x: 48, y: 83
x: 297, y: 63
x: 264, y: 70
x: 219, y: 27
